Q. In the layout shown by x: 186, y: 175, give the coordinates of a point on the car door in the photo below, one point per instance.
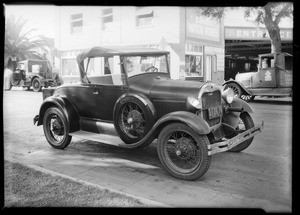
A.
x: 110, y: 86
x: 82, y: 97
x: 106, y: 97
x: 267, y: 75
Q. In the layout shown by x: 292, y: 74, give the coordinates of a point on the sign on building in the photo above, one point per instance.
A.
x: 249, y: 33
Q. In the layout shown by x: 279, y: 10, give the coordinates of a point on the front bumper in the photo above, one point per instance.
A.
x: 233, y: 142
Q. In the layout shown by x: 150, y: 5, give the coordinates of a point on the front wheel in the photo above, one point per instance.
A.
x: 56, y: 128
x: 245, y: 123
x: 182, y: 152
x: 247, y: 97
x: 236, y: 89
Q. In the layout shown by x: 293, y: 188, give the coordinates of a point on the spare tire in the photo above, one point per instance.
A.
x: 134, y: 117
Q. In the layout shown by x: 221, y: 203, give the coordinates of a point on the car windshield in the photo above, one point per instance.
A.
x: 135, y: 65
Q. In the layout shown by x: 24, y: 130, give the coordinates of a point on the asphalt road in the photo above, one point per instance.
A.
x: 259, y: 177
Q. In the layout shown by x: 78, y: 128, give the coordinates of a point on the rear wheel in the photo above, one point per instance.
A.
x: 56, y: 128
x: 182, y: 152
x: 36, y: 85
x: 245, y: 123
x: 133, y: 120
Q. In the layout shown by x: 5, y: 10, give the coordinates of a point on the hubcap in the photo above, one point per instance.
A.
x: 56, y: 128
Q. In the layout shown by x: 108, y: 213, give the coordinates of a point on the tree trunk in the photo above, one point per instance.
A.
x: 274, y: 33
x: 273, y: 30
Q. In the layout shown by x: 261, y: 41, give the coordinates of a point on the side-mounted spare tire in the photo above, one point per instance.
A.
x: 133, y: 118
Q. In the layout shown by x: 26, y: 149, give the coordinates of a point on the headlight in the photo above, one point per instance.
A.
x: 194, y: 102
x: 228, y: 95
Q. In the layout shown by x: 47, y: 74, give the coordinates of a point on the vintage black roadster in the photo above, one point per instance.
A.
x: 126, y: 98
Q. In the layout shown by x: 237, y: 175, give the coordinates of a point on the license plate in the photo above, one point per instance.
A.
x: 214, y: 112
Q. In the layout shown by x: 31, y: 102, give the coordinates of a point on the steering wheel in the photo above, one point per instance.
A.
x: 152, y: 67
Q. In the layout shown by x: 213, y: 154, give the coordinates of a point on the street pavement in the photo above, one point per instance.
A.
x: 259, y: 177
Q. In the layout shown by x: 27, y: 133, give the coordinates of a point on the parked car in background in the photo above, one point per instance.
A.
x: 268, y: 80
x: 33, y: 73
x: 127, y: 98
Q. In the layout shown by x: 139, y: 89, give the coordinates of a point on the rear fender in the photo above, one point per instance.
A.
x: 239, y: 84
x: 67, y: 108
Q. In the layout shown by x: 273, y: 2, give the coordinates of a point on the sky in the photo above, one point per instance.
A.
x: 42, y: 17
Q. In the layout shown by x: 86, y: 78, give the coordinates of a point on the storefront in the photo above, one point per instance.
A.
x: 204, y: 48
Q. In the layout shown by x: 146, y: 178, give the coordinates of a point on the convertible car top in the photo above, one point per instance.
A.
x: 117, y: 50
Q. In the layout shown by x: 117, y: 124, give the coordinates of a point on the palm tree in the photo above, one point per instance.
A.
x: 20, y: 43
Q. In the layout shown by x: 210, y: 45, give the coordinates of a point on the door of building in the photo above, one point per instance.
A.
x: 208, y: 68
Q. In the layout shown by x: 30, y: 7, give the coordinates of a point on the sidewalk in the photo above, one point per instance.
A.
x: 137, y: 179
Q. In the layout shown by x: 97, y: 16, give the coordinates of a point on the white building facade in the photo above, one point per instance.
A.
x: 196, y: 44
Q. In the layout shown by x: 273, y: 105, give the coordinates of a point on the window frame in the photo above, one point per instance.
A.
x: 74, y: 20
x: 143, y: 13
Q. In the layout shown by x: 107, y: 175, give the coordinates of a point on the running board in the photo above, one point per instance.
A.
x: 102, y: 138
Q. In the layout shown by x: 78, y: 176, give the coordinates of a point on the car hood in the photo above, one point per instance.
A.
x: 161, y: 86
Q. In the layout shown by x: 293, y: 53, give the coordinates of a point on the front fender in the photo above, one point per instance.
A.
x: 67, y: 108
x: 232, y: 118
x: 237, y: 102
x: 239, y: 84
x: 197, y: 123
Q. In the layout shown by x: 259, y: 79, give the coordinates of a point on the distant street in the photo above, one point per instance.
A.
x: 259, y: 177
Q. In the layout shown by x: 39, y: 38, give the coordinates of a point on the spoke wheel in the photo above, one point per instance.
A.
x: 236, y: 89
x: 56, y: 128
x: 36, y: 85
x: 133, y: 120
x: 245, y: 123
x: 247, y: 97
x: 182, y: 152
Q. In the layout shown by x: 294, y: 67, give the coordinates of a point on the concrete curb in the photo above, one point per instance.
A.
x: 147, y: 202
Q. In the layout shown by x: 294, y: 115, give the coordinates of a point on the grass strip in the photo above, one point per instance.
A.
x: 27, y: 187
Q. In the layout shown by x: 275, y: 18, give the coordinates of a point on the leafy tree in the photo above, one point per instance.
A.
x: 270, y: 15
x: 20, y: 43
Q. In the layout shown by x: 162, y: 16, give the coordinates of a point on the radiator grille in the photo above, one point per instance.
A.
x: 209, y: 100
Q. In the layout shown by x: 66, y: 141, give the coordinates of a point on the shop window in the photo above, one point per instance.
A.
x: 107, y: 18
x: 144, y: 17
x: 193, y: 65
x: 76, y: 23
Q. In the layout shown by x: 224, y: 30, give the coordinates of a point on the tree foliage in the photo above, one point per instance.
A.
x: 20, y: 43
x: 270, y: 15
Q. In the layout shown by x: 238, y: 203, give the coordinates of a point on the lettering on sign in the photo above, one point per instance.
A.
x: 255, y: 33
x: 201, y: 27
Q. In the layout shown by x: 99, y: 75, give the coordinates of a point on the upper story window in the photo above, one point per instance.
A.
x: 107, y: 18
x: 76, y: 23
x: 144, y: 17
